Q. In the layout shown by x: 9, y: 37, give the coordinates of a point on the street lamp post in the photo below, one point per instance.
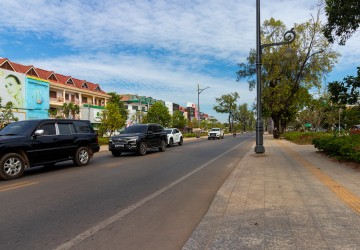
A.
x: 289, y: 37
x: 199, y: 90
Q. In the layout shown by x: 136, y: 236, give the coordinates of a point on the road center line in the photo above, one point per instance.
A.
x: 91, y: 231
x: 16, y: 185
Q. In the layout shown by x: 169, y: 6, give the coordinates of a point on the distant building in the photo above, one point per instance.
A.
x: 137, y: 106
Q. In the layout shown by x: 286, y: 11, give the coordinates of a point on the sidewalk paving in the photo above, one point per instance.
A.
x: 290, y: 197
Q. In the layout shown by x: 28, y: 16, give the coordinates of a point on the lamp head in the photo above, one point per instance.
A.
x: 289, y: 52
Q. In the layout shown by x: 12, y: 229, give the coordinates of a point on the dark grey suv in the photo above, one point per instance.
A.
x: 138, y: 138
x: 45, y: 142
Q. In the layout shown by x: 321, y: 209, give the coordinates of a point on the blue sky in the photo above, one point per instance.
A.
x: 157, y: 48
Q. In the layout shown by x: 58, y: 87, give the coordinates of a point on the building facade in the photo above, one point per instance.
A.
x: 36, y: 91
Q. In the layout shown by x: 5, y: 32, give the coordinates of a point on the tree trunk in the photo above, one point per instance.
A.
x: 276, y: 131
x: 276, y: 120
x: 283, y: 126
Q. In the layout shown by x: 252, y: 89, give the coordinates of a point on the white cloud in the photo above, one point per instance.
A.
x: 161, y: 48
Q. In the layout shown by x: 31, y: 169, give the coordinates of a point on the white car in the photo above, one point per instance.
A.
x: 216, y: 133
x: 174, y: 136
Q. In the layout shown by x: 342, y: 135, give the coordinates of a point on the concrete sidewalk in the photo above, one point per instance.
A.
x: 291, y: 197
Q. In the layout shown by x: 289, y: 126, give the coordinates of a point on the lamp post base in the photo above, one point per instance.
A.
x: 259, y: 149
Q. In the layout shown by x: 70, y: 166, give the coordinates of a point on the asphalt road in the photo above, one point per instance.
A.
x: 129, y: 202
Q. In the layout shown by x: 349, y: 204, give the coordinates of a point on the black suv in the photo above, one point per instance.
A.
x: 45, y: 142
x: 138, y: 138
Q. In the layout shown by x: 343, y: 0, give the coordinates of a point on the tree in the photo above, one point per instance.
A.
x: 245, y: 117
x: 178, y: 120
x: 70, y: 110
x: 351, y: 116
x: 158, y: 113
x: 343, y: 19
x: 111, y: 119
x: 347, y: 91
x: 315, y: 113
x: 227, y: 105
x: 286, y: 82
x: 53, y: 112
x: 115, y: 98
x: 6, y: 114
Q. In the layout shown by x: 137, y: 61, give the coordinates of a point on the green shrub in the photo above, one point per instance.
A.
x: 189, y: 135
x: 342, y: 147
x: 303, y: 137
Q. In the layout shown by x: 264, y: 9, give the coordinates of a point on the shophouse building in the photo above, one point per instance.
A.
x: 39, y: 90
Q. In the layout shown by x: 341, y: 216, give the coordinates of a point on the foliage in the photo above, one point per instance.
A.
x: 351, y: 116
x: 347, y: 91
x: 103, y: 140
x: 6, y: 114
x: 286, y: 82
x: 178, y: 120
x: 343, y: 17
x: 317, y: 112
x: 245, y: 117
x: 227, y: 104
x: 342, y: 147
x: 303, y: 138
x: 111, y: 119
x: 191, y: 135
x: 53, y: 112
x: 70, y: 109
x: 158, y: 113
x: 116, y: 99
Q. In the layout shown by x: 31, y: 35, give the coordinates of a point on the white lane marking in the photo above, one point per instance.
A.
x: 84, y: 235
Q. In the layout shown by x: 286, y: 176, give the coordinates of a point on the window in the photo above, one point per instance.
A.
x: 66, y: 128
x: 158, y: 129
x: 52, y: 94
x: 83, y: 127
x: 49, y: 129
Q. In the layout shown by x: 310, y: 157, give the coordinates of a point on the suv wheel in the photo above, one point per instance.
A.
x: 116, y: 153
x: 142, y: 148
x: 171, y: 143
x: 162, y: 147
x: 82, y: 156
x: 181, y: 141
x: 12, y: 166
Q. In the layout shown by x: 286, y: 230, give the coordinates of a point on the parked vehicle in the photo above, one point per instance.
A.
x: 138, y: 138
x: 216, y: 133
x: 355, y: 129
x: 174, y: 136
x: 32, y: 143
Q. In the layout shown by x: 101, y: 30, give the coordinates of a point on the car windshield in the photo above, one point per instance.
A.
x: 215, y: 129
x: 17, y: 128
x: 168, y: 131
x: 135, y: 129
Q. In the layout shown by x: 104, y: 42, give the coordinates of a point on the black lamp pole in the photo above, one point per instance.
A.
x: 289, y: 37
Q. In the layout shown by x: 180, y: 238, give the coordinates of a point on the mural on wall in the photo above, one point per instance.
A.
x: 14, y: 85
x: 38, y: 100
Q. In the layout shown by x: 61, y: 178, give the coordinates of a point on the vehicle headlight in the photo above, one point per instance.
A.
x: 133, y: 139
